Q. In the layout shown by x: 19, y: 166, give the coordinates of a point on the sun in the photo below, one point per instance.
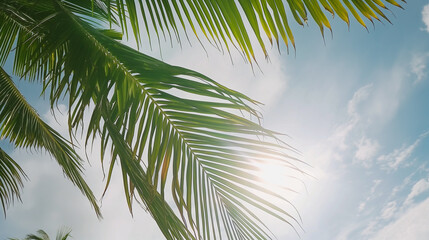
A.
x: 272, y: 174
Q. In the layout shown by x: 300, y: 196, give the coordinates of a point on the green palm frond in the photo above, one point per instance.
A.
x: 162, y: 132
x: 62, y: 234
x: 211, y: 153
x: 11, y: 176
x: 235, y: 22
x: 41, y: 235
x: 20, y: 123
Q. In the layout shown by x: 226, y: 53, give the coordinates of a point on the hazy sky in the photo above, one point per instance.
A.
x: 355, y: 105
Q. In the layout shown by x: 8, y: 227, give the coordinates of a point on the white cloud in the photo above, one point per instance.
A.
x: 420, y: 187
x: 362, y: 206
x: 425, y: 17
x: 400, y: 187
x: 392, y: 160
x: 366, y: 150
x: 418, y: 66
x: 376, y: 184
x: 398, y: 156
x: 370, y: 197
x: 343, y: 131
x: 372, y: 105
x: 358, y: 97
x: 389, y: 210
x: 411, y: 225
x: 370, y: 228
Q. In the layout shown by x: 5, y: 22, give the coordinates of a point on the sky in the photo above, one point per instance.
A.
x: 355, y: 105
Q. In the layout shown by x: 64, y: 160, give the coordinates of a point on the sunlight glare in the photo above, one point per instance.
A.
x: 272, y: 174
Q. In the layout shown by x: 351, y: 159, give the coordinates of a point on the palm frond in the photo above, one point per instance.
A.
x: 221, y: 22
x: 20, y: 123
x: 11, y: 176
x: 41, y: 235
x: 210, y: 152
x: 63, y: 234
x: 191, y: 129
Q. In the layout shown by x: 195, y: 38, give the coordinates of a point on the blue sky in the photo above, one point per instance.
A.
x: 355, y: 105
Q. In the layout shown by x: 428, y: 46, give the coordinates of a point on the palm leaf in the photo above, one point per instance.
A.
x: 189, y: 138
x: 11, y: 176
x: 207, y: 149
x: 20, y: 123
x: 42, y: 235
x: 235, y: 22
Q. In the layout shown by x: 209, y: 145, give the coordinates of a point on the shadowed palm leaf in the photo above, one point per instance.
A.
x: 20, y: 123
x: 42, y: 235
x: 10, y: 180
x: 167, y: 126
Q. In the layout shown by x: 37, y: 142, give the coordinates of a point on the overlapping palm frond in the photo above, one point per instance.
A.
x: 20, y: 123
x: 232, y: 22
x: 160, y: 127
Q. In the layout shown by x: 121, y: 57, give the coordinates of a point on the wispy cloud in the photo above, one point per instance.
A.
x: 376, y: 184
x: 420, y: 187
x: 370, y: 228
x: 342, y: 132
x: 389, y: 210
x: 358, y: 97
x: 366, y: 150
x: 398, y: 156
x: 425, y: 17
x: 370, y: 197
x: 362, y: 206
x: 418, y: 66
x: 401, y: 187
x: 386, y: 214
x: 411, y: 225
x: 392, y: 160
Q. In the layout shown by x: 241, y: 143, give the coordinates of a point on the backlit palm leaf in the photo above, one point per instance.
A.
x: 226, y: 22
x: 206, y: 147
x: 22, y: 126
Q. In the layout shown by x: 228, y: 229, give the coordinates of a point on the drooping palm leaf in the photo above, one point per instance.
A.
x: 207, y: 149
x: 236, y: 22
x: 11, y: 176
x: 20, y: 123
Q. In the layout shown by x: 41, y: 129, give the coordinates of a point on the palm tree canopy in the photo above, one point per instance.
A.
x: 167, y: 126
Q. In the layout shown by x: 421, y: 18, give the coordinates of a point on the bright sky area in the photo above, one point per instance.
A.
x: 355, y: 105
